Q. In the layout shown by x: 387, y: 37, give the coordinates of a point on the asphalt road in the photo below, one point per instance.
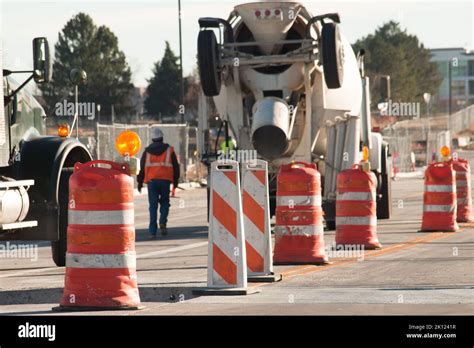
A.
x: 414, y: 272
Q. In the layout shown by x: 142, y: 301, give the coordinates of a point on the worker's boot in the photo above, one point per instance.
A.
x: 164, y: 230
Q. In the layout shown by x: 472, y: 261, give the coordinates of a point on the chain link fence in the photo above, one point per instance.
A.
x: 177, y: 135
x: 400, y: 148
x: 463, y: 120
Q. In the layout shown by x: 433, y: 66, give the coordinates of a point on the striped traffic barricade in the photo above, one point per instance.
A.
x: 356, y: 208
x: 299, y: 232
x: 227, y: 263
x: 100, y: 259
x: 256, y: 211
x: 439, y: 198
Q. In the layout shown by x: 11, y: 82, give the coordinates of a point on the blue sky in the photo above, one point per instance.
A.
x: 143, y: 27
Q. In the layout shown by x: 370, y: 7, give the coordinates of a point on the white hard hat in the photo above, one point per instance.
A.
x: 156, y: 133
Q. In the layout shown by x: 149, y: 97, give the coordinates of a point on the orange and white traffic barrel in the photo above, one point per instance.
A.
x: 256, y: 211
x: 356, y: 208
x: 100, y: 259
x: 439, y: 198
x: 463, y: 190
x: 299, y: 233
x: 227, y: 264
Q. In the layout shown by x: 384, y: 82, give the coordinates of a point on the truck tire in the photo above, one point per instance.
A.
x: 272, y: 205
x: 329, y: 209
x: 332, y: 55
x: 208, y: 62
x: 59, y: 247
x: 384, y: 205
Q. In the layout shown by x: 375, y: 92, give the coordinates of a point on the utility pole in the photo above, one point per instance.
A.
x: 427, y: 98
x: 181, y: 109
x: 450, y: 96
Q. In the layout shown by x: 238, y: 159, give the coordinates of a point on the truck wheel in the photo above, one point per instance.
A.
x: 332, y: 55
x: 384, y: 205
x: 59, y: 247
x: 331, y: 225
x: 272, y: 205
x: 208, y: 62
x: 329, y: 209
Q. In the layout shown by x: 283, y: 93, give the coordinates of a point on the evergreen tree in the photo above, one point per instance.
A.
x: 392, y: 51
x: 163, y: 89
x: 81, y: 44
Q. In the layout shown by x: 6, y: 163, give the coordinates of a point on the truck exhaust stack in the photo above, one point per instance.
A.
x: 270, y: 125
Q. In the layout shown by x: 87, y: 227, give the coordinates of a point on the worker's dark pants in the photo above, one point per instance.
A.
x: 158, y: 192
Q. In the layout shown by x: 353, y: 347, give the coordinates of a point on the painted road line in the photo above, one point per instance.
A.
x: 309, y: 269
x: 172, y: 250
x: 29, y: 271
x: 399, y: 222
x: 140, y: 256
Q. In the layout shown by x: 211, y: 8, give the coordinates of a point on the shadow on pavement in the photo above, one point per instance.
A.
x: 174, y: 233
x: 168, y: 294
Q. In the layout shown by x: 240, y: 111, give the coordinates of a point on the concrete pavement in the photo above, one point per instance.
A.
x: 414, y: 273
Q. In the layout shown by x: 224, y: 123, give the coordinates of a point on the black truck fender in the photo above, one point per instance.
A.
x: 43, y: 159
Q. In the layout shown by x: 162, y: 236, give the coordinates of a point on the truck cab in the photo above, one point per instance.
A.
x: 34, y: 168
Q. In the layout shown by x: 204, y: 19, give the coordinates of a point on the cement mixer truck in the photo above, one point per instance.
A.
x: 288, y: 85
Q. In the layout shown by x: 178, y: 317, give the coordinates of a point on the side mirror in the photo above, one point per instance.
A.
x: 385, y: 92
x: 42, y: 70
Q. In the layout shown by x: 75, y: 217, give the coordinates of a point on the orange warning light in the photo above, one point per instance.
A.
x: 445, y: 151
x: 365, y: 153
x: 128, y: 143
x: 63, y: 130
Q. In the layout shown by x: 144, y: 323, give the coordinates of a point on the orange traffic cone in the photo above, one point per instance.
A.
x: 439, y: 199
x: 356, y: 209
x: 100, y: 260
x: 299, y: 232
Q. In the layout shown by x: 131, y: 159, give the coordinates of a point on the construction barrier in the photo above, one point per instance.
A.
x: 356, y: 208
x: 100, y: 259
x: 256, y: 210
x: 227, y: 264
x: 463, y: 190
x: 299, y: 234
x: 439, y: 198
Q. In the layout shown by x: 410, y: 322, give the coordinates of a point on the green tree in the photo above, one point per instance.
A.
x: 81, y: 44
x: 392, y: 51
x: 163, y: 89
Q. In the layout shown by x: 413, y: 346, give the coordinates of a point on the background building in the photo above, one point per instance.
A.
x: 462, y: 84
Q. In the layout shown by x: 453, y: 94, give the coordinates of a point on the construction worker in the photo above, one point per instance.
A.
x: 159, y: 168
x: 229, y: 145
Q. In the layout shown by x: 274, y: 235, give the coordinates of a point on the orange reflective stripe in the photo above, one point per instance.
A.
x: 260, y: 175
x: 254, y: 259
x: 224, y: 213
x: 254, y: 212
x: 232, y: 176
x: 224, y: 266
x: 124, y: 195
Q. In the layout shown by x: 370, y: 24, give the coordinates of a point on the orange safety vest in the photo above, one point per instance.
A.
x: 159, y: 167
